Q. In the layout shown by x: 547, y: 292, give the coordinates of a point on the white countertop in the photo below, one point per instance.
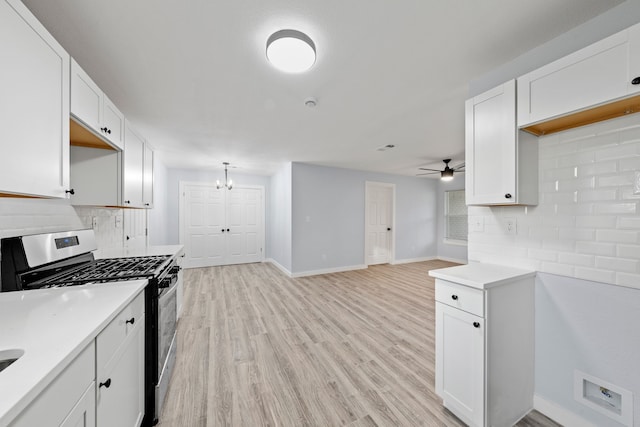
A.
x: 480, y: 275
x: 123, y: 252
x: 52, y: 326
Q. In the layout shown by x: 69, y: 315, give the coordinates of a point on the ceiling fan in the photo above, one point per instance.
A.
x: 447, y: 173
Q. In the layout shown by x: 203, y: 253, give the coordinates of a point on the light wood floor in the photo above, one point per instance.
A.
x: 257, y: 348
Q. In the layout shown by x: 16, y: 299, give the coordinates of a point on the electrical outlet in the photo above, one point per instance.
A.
x: 477, y: 224
x: 636, y: 183
x: 510, y: 226
x: 94, y: 222
x: 118, y: 221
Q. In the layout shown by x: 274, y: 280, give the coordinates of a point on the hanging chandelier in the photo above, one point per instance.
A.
x: 227, y: 182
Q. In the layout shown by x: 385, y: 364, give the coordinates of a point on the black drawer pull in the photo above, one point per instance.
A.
x: 132, y: 321
x: 636, y: 81
x: 476, y: 324
x: 106, y: 384
x: 454, y: 297
x: 507, y: 196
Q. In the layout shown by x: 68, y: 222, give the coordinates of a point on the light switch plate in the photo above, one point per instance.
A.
x: 636, y: 183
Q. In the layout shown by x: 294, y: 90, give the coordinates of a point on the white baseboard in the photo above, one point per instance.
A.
x: 559, y: 414
x: 278, y: 266
x: 410, y: 260
x: 329, y: 270
x: 456, y: 260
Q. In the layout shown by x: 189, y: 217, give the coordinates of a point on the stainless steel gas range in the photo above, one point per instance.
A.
x: 66, y: 259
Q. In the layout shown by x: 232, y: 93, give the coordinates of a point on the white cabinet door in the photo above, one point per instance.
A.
x: 597, y: 74
x: 501, y: 162
x: 133, y: 166
x: 86, y: 98
x: 147, y: 191
x: 34, y: 106
x: 84, y: 413
x: 113, y: 123
x: 460, y: 357
x: 91, y: 107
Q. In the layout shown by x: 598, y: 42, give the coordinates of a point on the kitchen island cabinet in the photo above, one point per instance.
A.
x: 34, y: 83
x: 485, y: 342
x: 501, y: 161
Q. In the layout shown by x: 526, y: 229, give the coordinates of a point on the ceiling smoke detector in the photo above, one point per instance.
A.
x: 385, y: 147
x: 311, y: 102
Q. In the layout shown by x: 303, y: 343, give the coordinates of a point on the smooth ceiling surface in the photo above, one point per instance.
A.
x: 192, y: 75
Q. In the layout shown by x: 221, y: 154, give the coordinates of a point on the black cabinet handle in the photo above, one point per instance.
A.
x: 454, y: 297
x: 132, y: 321
x: 146, y: 204
x: 109, y: 131
x: 71, y: 191
x: 476, y: 324
x: 636, y: 81
x: 107, y: 383
x: 127, y: 237
x: 227, y: 230
x: 507, y: 196
x: 127, y: 201
x: 388, y: 228
x: 104, y: 129
x: 222, y: 230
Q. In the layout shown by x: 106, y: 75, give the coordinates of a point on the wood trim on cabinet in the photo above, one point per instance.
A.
x: 586, y: 117
x: 82, y: 137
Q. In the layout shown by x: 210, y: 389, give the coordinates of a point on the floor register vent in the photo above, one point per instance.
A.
x: 608, y: 399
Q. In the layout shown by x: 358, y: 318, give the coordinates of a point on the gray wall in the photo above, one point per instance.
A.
x: 174, y: 177
x: 328, y: 217
x: 610, y: 22
x: 589, y: 326
x: 452, y: 252
x: 279, y: 225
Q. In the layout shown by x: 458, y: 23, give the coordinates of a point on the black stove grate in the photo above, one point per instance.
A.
x: 109, y: 270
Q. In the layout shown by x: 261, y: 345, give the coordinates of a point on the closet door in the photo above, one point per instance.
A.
x: 244, y: 224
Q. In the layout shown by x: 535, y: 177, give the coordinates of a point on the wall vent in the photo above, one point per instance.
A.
x: 608, y: 399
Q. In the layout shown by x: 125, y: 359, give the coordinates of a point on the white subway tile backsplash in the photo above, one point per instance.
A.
x: 595, y: 275
x: 586, y: 224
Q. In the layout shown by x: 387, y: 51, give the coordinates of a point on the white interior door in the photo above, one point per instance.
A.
x: 244, y: 225
x: 223, y: 226
x: 379, y: 223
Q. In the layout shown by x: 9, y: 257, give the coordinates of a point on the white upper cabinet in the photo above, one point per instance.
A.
x: 501, y: 162
x: 34, y: 106
x: 133, y: 168
x: 94, y: 109
x: 147, y: 179
x: 598, y: 74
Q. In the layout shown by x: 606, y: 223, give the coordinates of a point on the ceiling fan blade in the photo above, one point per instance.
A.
x: 427, y: 173
x: 426, y: 169
x: 459, y: 167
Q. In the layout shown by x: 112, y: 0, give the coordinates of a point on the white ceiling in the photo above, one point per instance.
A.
x: 193, y: 78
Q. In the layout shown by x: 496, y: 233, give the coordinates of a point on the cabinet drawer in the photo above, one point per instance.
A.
x: 459, y: 296
x: 115, y: 333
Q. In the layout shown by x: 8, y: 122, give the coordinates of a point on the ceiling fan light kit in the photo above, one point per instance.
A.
x: 446, y: 174
x: 291, y: 51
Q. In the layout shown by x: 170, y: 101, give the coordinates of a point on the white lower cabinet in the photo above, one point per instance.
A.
x: 120, y: 369
x: 103, y: 386
x: 460, y: 360
x: 485, y: 348
x: 65, y: 401
x: 84, y: 413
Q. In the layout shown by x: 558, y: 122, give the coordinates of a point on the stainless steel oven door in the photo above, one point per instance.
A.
x: 167, y: 308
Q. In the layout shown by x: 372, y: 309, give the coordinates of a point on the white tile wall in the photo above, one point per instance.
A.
x: 587, y: 224
x: 31, y: 216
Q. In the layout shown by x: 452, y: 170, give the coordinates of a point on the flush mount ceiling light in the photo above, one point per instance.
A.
x: 228, y: 184
x: 291, y: 51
